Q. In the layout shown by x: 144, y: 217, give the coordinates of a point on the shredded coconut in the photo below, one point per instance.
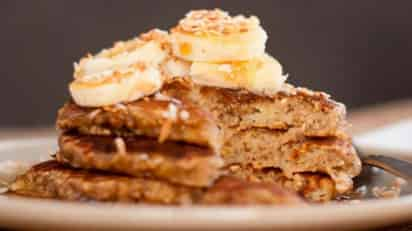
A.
x: 159, y: 96
x: 215, y: 22
x: 155, y: 35
x: 184, y: 115
x: 94, y: 113
x: 175, y: 68
x: 120, y: 106
x: 165, y: 131
x: 120, y: 145
x: 171, y: 112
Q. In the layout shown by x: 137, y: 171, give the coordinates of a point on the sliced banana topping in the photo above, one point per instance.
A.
x: 111, y: 87
x: 259, y: 75
x: 215, y: 36
x: 174, y: 67
x: 126, y: 72
x: 209, y: 46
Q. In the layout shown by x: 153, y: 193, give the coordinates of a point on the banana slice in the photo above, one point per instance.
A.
x: 126, y: 72
x: 111, y: 87
x: 174, y: 67
x: 215, y: 36
x: 261, y: 75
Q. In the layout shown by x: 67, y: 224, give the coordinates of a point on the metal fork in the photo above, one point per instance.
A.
x: 397, y: 167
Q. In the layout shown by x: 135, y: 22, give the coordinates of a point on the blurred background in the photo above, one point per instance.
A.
x: 358, y: 51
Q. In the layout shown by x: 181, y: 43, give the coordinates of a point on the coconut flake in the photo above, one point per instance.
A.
x: 184, y: 115
x: 171, y: 112
x: 120, y: 145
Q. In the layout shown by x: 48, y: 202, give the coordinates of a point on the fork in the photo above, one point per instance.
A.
x: 397, y: 167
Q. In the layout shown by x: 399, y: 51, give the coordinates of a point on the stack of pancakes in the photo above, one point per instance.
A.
x: 201, y: 115
x: 141, y: 166
x: 295, y: 135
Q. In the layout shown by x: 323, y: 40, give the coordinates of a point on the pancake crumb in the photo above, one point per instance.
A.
x: 385, y: 192
x: 9, y: 170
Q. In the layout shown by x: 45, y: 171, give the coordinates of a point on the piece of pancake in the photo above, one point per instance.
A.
x: 51, y: 179
x: 263, y: 148
x: 292, y: 107
x: 314, y: 187
x: 296, y: 130
x: 176, y: 162
x: 159, y: 116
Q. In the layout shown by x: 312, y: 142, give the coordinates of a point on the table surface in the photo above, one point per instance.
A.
x: 362, y: 120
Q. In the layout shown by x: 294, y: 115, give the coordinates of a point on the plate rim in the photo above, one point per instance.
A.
x: 144, y: 216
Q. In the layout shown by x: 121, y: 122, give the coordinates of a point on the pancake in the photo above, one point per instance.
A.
x: 159, y: 117
x: 138, y: 156
x: 262, y: 148
x: 296, y: 130
x: 292, y: 107
x: 51, y: 179
x: 314, y: 187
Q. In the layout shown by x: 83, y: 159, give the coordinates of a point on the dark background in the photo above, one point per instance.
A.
x: 358, y: 51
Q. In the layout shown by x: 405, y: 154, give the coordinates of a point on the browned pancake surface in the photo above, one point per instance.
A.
x: 53, y: 180
x: 137, y: 156
x: 163, y: 119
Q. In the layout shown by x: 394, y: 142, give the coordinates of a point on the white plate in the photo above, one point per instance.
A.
x: 393, y: 139
x: 16, y: 212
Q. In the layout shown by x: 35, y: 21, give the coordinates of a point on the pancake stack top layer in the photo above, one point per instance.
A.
x: 184, y: 107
